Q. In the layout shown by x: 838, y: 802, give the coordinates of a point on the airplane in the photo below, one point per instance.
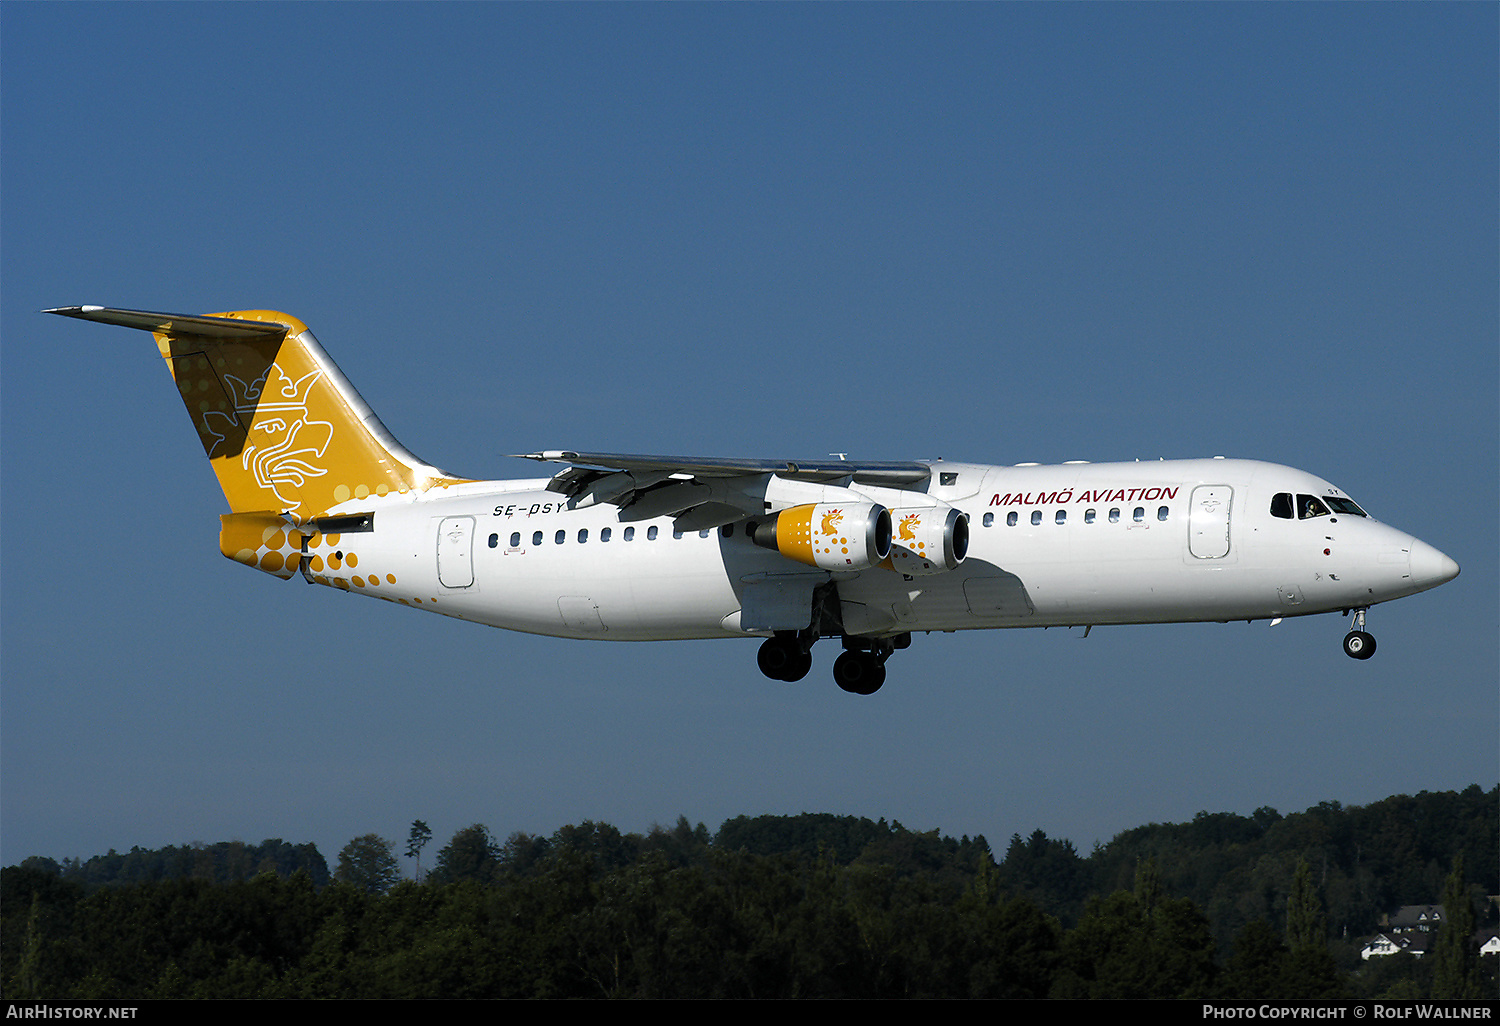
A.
x: 651, y: 548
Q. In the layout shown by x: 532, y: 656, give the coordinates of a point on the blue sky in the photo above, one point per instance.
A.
x: 990, y: 232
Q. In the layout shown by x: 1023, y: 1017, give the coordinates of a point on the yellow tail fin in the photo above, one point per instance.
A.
x: 282, y: 427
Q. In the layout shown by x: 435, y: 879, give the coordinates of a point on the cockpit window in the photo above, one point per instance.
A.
x: 1309, y: 506
x: 1305, y: 507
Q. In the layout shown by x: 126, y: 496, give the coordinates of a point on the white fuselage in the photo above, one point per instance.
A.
x: 634, y: 547
x: 1070, y: 544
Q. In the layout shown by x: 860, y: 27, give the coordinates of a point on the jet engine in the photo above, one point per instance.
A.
x: 829, y: 535
x: 930, y: 540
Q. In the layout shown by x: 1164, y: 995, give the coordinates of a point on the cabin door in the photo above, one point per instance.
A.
x: 1208, y: 521
x: 455, y: 552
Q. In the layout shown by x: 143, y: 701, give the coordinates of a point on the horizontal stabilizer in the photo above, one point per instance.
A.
x: 175, y: 324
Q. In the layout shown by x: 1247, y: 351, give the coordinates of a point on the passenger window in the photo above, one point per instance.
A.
x: 1309, y: 506
x: 1140, y: 514
x: 515, y: 540
x: 651, y: 534
x: 583, y: 535
x: 604, y: 533
x: 562, y: 536
x: 727, y: 531
x: 1114, y: 516
x: 989, y: 520
x: 494, y: 541
x: 1062, y: 517
x: 1011, y: 519
x: 630, y: 534
x: 1036, y: 517
x: 1088, y: 516
x: 703, y: 534
x: 677, y: 532
x: 1281, y: 505
x: 1162, y: 512
x: 536, y: 539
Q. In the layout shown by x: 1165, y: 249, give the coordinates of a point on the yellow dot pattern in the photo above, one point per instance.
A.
x: 267, y: 542
x: 332, y: 562
x: 264, y: 541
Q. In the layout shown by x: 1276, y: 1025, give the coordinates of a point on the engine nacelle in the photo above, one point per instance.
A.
x: 930, y: 540
x: 829, y: 535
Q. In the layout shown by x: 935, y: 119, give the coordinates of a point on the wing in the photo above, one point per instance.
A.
x: 703, y: 492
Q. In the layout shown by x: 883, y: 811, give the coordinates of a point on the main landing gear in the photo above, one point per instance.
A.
x: 1358, y: 644
x: 787, y: 656
x: 859, y: 669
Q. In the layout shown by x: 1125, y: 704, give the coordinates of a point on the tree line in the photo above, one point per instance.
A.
x: 1264, y: 906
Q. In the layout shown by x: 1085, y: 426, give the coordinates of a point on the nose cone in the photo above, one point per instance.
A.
x: 1429, y: 567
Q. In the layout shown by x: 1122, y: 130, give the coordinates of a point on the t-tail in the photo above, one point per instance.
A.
x: 289, y: 438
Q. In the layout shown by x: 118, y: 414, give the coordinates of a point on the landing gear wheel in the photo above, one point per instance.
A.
x: 859, y: 673
x: 1359, y: 645
x: 781, y: 660
x: 798, y: 667
x: 773, y: 658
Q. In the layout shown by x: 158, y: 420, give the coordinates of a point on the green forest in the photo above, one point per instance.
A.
x: 1265, y: 906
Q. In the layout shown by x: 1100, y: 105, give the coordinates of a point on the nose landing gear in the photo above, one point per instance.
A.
x: 1358, y: 644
